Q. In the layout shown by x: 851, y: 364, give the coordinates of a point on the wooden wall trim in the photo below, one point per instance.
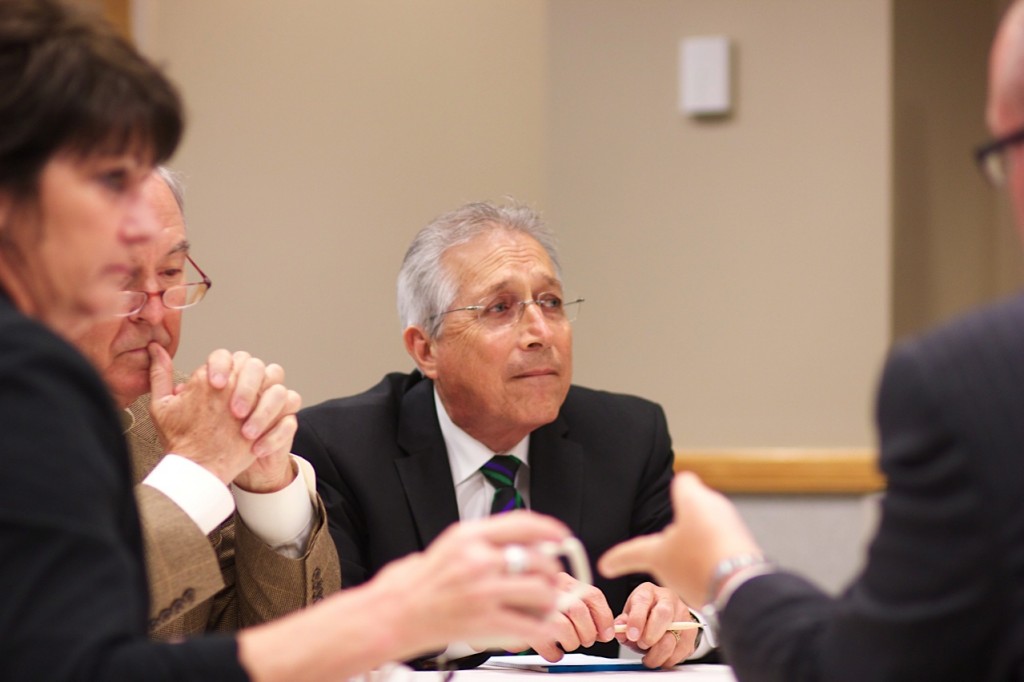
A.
x: 785, y: 471
x: 117, y: 12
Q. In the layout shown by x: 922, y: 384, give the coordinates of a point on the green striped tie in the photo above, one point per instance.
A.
x: 500, y: 471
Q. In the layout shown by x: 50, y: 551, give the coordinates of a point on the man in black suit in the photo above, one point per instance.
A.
x: 942, y: 593
x: 487, y: 323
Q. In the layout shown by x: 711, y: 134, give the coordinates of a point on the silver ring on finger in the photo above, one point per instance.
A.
x: 516, y: 559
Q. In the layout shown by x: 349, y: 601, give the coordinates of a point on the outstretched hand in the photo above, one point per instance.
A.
x: 706, y: 530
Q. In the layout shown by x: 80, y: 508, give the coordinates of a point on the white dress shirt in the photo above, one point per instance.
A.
x: 466, y: 455
x: 283, y: 519
x: 473, y: 494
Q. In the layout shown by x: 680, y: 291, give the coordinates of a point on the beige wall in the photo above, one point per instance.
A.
x: 322, y: 135
x: 953, y: 244
x: 736, y: 271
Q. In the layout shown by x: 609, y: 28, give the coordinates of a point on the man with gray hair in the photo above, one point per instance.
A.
x: 489, y: 421
x: 223, y: 551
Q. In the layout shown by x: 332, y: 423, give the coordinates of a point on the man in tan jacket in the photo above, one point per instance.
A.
x: 224, y: 549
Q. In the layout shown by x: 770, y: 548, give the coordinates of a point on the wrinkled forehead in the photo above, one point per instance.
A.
x: 500, y: 261
x: 170, y: 242
x: 169, y: 248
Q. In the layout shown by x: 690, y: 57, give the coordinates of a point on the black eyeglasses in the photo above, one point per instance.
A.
x: 991, y: 157
x: 177, y: 297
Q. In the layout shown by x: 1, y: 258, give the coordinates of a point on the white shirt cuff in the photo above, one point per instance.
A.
x: 284, y: 518
x: 707, y: 640
x: 200, y: 494
x: 460, y: 650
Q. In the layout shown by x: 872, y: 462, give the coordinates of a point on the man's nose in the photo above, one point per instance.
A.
x: 536, y: 327
x: 154, y: 310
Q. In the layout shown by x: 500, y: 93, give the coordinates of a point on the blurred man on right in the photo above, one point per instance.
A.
x: 942, y: 594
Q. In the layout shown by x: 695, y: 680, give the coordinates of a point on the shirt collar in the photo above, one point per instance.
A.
x: 466, y: 454
x: 127, y: 420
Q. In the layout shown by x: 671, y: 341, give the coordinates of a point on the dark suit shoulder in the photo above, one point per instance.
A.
x: 993, y: 330
x: 356, y: 430
x: 45, y: 376
x: 958, y: 388
x: 607, y: 425
x: 581, y: 396
x: 384, y: 397
x: 948, y: 545
x: 29, y: 348
x: 966, y: 373
x: 606, y: 410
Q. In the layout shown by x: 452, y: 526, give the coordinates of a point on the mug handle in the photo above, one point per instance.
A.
x: 579, y: 567
x: 575, y: 555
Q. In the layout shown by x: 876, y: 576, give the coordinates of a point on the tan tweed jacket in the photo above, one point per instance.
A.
x: 224, y: 581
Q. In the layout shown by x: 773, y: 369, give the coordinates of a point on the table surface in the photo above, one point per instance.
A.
x: 697, y: 672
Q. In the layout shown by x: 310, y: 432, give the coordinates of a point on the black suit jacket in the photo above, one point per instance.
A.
x: 603, y: 467
x: 74, y: 603
x: 942, y: 593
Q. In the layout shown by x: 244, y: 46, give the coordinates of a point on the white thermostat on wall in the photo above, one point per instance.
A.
x: 704, y: 89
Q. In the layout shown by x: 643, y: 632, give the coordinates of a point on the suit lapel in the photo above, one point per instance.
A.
x: 557, y: 474
x: 424, y: 470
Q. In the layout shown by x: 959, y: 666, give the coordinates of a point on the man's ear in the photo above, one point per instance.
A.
x: 421, y: 348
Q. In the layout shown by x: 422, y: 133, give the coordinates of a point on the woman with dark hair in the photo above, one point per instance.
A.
x: 83, y: 120
x: 78, y: 107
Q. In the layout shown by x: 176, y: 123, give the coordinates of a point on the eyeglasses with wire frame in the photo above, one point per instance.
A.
x: 505, y: 311
x: 991, y: 157
x: 177, y: 297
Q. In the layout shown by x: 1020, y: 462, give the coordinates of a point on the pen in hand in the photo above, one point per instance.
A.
x: 674, y: 625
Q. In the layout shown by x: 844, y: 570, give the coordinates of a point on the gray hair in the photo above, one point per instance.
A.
x: 174, y: 182
x: 426, y: 288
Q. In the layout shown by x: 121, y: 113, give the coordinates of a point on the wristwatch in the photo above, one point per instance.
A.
x: 722, y: 585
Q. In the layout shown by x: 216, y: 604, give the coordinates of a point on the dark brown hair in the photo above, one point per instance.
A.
x: 70, y: 84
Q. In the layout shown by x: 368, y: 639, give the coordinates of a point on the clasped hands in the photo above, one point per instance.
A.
x: 233, y: 416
